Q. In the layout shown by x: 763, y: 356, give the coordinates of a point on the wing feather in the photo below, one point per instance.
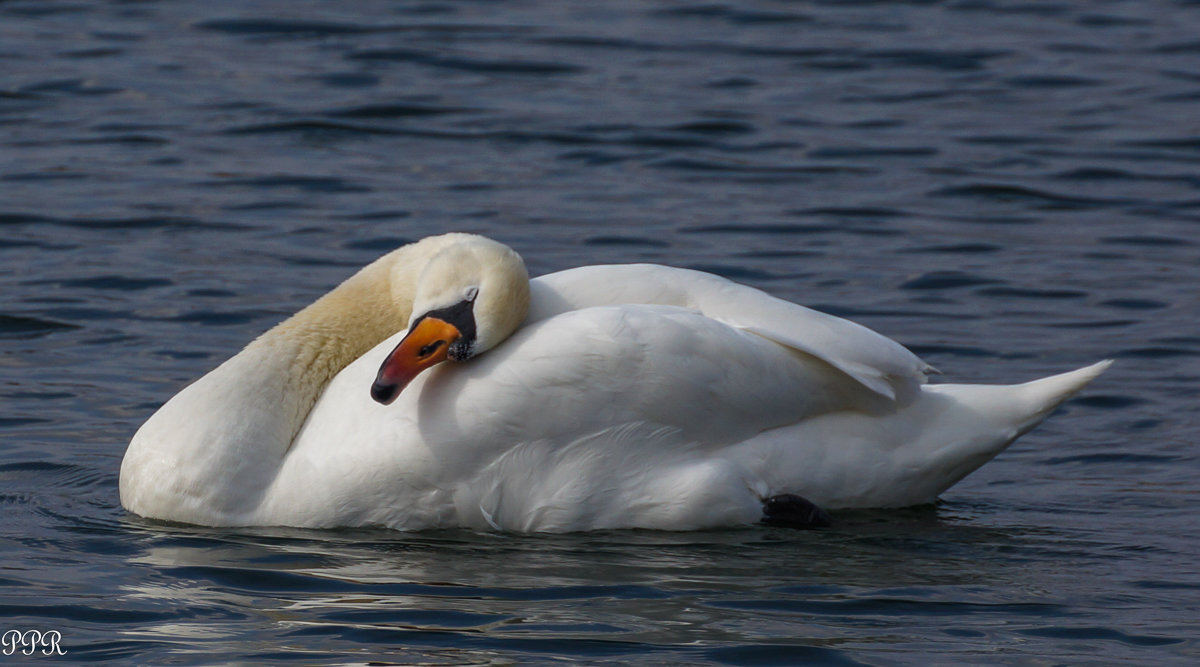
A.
x: 875, y: 362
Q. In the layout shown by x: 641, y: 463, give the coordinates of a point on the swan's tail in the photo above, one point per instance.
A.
x: 1030, y: 403
x: 1009, y: 410
x: 980, y: 421
x: 908, y: 457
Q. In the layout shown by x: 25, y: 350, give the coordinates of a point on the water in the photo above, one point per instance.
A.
x: 1010, y: 189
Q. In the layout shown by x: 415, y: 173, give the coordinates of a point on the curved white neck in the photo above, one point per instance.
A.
x: 210, y: 452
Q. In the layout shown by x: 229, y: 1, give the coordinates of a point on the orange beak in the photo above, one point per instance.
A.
x: 425, y: 345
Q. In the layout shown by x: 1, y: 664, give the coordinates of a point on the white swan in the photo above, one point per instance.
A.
x: 608, y: 397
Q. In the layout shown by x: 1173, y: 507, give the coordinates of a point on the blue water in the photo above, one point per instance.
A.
x: 1009, y: 188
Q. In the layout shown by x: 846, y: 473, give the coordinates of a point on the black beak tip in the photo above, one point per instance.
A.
x: 384, y: 392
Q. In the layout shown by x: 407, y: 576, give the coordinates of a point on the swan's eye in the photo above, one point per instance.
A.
x: 430, y: 348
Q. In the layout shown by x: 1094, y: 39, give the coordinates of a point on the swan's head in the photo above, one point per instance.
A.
x: 470, y: 296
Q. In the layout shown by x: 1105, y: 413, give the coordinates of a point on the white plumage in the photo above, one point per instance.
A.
x: 628, y: 396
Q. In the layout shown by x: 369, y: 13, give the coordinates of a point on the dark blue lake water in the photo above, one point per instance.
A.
x: 1009, y: 188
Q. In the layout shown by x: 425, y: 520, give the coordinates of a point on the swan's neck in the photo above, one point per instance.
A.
x: 208, y: 455
x: 305, y: 351
x: 312, y: 346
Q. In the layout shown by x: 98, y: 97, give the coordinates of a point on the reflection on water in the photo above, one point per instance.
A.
x: 1009, y: 189
x: 677, y: 595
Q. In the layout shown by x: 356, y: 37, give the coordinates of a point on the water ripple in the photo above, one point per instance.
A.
x: 466, y: 63
x: 399, y: 110
x: 1007, y: 188
x: 299, y: 28
x: 1092, y: 634
x: 1044, y: 199
x: 18, y: 326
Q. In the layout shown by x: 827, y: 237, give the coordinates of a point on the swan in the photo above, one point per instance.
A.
x: 441, y: 387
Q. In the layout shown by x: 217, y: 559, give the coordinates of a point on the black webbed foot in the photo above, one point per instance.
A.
x: 792, y: 511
